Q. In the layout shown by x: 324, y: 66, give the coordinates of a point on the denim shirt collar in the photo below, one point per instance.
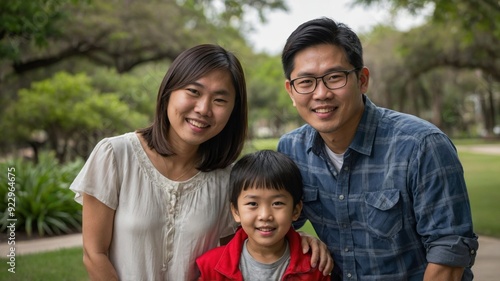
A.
x: 365, y: 134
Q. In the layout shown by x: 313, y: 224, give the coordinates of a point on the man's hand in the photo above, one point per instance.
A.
x: 319, y: 252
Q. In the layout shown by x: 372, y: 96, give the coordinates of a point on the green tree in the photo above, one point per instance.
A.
x: 124, y: 34
x: 269, y: 104
x: 461, y: 35
x: 28, y: 21
x: 472, y: 15
x: 60, y: 109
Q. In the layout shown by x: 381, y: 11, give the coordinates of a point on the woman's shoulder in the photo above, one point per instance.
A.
x: 116, y: 142
x: 123, y: 140
x: 115, y: 150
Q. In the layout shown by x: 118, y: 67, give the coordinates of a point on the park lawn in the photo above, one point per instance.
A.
x: 60, y: 265
x: 482, y: 174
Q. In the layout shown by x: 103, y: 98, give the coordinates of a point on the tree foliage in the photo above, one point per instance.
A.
x: 123, y: 34
x: 28, y: 21
x: 442, y: 80
x: 60, y: 109
x: 481, y: 15
x: 461, y: 35
x: 270, y: 106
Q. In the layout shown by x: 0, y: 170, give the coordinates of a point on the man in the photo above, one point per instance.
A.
x: 384, y: 190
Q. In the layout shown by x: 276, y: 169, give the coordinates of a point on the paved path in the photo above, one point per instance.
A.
x: 487, y: 267
x: 483, y: 148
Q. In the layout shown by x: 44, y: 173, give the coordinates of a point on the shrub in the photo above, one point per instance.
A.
x: 43, y: 201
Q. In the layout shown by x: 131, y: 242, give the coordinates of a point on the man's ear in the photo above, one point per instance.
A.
x: 235, y: 213
x: 296, y: 211
x: 364, y: 78
x: 288, y: 88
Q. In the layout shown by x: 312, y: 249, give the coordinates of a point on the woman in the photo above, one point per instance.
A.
x: 155, y: 199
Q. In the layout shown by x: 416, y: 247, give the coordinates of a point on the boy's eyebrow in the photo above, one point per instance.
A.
x: 251, y: 196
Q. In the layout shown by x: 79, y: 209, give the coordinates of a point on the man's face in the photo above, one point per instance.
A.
x: 331, y: 112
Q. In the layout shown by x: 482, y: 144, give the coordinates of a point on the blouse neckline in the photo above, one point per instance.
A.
x: 158, y: 178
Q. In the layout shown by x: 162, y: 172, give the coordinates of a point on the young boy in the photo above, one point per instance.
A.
x: 266, y: 199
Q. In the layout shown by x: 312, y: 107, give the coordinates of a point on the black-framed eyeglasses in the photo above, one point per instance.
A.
x: 332, y: 80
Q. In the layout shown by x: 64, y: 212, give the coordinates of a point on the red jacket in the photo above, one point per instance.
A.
x: 222, y: 263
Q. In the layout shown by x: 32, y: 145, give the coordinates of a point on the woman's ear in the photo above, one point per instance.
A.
x: 296, y: 211
x: 236, y: 214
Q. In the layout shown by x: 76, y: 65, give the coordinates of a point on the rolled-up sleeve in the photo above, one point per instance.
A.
x: 453, y: 251
x: 442, y: 206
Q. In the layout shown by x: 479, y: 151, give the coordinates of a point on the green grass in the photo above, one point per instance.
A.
x: 308, y: 228
x: 466, y: 141
x: 61, y: 265
x: 482, y: 174
x: 259, y: 144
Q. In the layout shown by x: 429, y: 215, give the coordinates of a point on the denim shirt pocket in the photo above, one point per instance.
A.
x: 384, y: 216
x: 311, y: 200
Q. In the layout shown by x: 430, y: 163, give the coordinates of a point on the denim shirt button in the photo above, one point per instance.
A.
x: 341, y: 197
x: 346, y: 249
x: 349, y: 275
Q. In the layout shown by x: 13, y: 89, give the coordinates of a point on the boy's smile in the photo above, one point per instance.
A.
x: 266, y: 215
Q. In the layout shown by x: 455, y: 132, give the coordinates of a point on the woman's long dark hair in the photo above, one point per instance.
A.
x: 191, y: 65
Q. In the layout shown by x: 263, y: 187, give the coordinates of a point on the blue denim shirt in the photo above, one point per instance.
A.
x: 398, y: 202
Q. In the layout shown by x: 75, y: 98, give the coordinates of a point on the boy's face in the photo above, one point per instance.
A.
x: 266, y: 215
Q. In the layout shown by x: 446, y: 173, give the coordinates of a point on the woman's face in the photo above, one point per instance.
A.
x: 200, y: 110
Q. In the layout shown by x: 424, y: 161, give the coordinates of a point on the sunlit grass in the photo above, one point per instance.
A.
x: 60, y: 265
x: 482, y: 174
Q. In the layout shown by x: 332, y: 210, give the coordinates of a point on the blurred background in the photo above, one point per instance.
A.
x: 75, y: 71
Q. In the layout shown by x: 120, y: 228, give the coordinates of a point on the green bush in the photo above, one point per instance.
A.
x: 37, y: 196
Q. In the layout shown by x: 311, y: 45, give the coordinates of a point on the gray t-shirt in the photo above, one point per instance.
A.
x: 256, y: 271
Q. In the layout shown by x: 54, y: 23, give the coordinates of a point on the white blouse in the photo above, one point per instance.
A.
x: 161, y: 226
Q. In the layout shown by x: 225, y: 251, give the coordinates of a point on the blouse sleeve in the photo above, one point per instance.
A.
x: 99, y: 176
